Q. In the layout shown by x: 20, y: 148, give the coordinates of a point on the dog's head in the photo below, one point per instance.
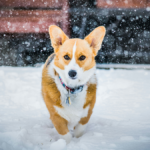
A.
x: 75, y: 58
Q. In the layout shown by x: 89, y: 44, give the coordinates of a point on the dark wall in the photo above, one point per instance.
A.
x: 24, y: 49
x: 128, y: 36
x: 127, y: 39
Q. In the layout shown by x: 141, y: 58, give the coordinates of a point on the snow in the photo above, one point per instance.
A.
x: 120, y: 121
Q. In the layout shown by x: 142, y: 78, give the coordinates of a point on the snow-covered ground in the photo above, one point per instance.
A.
x: 120, y: 121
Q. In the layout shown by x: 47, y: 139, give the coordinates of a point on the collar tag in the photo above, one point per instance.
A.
x: 68, y: 100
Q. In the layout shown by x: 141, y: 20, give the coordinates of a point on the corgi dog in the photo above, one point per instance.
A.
x: 69, y: 82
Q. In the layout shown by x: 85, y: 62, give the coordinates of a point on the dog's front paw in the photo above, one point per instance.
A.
x: 67, y: 137
x: 79, y: 130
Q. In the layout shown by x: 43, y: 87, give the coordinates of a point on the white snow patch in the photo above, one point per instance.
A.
x: 120, y: 119
x: 58, y: 145
x: 127, y: 138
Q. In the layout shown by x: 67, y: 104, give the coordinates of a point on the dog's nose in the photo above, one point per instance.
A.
x: 72, y: 73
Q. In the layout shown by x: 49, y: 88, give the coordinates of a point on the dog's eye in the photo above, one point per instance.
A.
x: 82, y: 57
x: 67, y: 57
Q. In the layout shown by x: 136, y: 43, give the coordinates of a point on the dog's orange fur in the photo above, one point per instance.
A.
x: 90, y: 101
x: 83, y: 48
x: 62, y: 46
x: 51, y: 96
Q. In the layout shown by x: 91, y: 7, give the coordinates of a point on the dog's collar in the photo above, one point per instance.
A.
x: 74, y: 90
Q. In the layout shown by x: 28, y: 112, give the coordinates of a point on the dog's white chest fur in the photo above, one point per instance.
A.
x: 73, y: 112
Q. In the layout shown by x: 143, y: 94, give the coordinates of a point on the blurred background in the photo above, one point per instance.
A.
x: 24, y: 38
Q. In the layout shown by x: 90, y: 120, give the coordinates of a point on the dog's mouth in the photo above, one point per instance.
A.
x: 73, y: 78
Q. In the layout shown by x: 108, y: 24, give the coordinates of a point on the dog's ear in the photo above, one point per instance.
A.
x: 57, y: 36
x: 95, y: 38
